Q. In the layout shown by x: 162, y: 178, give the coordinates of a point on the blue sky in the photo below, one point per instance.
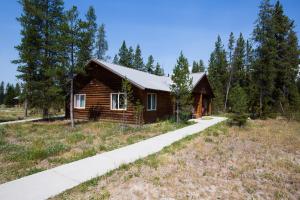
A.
x: 162, y: 27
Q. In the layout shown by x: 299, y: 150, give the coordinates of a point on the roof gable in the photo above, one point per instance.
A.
x: 144, y: 80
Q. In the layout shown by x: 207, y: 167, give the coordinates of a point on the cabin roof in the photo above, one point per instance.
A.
x: 144, y: 80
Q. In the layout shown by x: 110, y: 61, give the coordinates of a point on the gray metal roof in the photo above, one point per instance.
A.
x: 144, y: 80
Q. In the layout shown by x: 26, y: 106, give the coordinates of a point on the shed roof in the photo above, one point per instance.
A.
x: 144, y: 80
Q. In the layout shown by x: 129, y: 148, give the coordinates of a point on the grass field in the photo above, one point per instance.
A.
x: 260, y: 161
x: 11, y: 114
x: 17, y: 113
x: 32, y: 147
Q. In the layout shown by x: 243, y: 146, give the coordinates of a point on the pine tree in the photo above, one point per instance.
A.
x: 9, y: 95
x: 88, y: 30
x: 130, y: 58
x: 72, y: 47
x: 150, y: 65
x: 17, y: 90
x: 230, y: 67
x: 181, y: 88
x: 101, y: 43
x: 195, y: 67
x: 293, y: 72
x: 218, y: 74
x: 40, y: 56
x: 138, y: 60
x: 238, y: 100
x: 2, y: 93
x: 238, y: 62
x: 286, y: 60
x: 159, y: 71
x: 263, y: 67
x: 198, y: 67
x: 201, y: 66
x: 116, y: 59
x: 123, y: 55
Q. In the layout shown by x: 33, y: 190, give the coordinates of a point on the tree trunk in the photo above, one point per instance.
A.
x: 227, y: 90
x: 260, y: 102
x: 177, y: 111
x: 71, y: 103
x: 26, y: 108
x: 45, y: 113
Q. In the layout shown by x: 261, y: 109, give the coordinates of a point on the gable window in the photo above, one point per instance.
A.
x: 79, y: 101
x: 118, y: 101
x: 151, y: 101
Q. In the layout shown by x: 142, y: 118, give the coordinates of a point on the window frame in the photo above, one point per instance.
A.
x: 151, y: 100
x: 74, y: 101
x: 118, y: 100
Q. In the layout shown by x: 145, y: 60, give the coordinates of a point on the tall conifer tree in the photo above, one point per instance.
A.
x: 181, y: 88
x: 150, y: 65
x: 159, y: 71
x: 2, y: 90
x: 218, y: 74
x: 40, y: 54
x: 101, y: 43
x: 263, y: 68
x: 123, y: 55
x: 88, y: 30
x: 138, y: 60
x: 229, y: 68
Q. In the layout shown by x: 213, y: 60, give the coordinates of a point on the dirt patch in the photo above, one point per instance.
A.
x: 260, y: 161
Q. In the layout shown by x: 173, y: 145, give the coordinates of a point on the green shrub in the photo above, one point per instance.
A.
x: 237, y: 119
x: 238, y: 100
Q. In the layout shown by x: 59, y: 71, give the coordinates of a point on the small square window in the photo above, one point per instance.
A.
x: 118, y: 101
x: 79, y: 101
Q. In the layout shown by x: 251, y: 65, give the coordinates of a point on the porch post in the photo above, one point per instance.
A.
x: 200, y: 105
x: 209, y: 107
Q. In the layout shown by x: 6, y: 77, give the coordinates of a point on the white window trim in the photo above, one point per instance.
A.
x: 74, y: 101
x: 151, y: 100
x: 118, y: 99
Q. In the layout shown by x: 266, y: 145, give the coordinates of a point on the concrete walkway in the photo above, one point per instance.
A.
x: 51, y: 182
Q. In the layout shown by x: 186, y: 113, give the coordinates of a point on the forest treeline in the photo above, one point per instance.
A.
x: 9, y: 93
x: 258, y: 75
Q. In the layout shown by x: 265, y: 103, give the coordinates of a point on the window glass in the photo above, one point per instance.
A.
x: 153, y: 102
x: 118, y: 101
x: 82, y: 101
x: 149, y: 102
x: 79, y: 101
x: 114, y: 98
x: 121, y: 101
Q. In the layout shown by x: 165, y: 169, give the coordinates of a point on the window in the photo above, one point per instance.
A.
x: 151, y: 101
x: 79, y: 101
x: 118, y: 101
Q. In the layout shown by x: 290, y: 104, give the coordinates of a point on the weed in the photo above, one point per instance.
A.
x: 75, y: 137
x: 134, y: 138
x: 208, y: 140
x: 156, y: 181
x: 33, y: 171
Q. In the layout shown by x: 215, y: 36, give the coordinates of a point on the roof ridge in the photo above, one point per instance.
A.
x: 128, y: 68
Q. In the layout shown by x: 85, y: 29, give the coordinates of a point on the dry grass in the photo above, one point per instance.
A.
x: 260, y: 161
x: 17, y: 113
x: 32, y: 147
x: 11, y: 114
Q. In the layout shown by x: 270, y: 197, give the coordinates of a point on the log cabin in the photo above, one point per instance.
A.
x: 98, y: 94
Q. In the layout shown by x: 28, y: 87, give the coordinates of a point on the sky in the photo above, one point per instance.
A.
x: 162, y: 28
